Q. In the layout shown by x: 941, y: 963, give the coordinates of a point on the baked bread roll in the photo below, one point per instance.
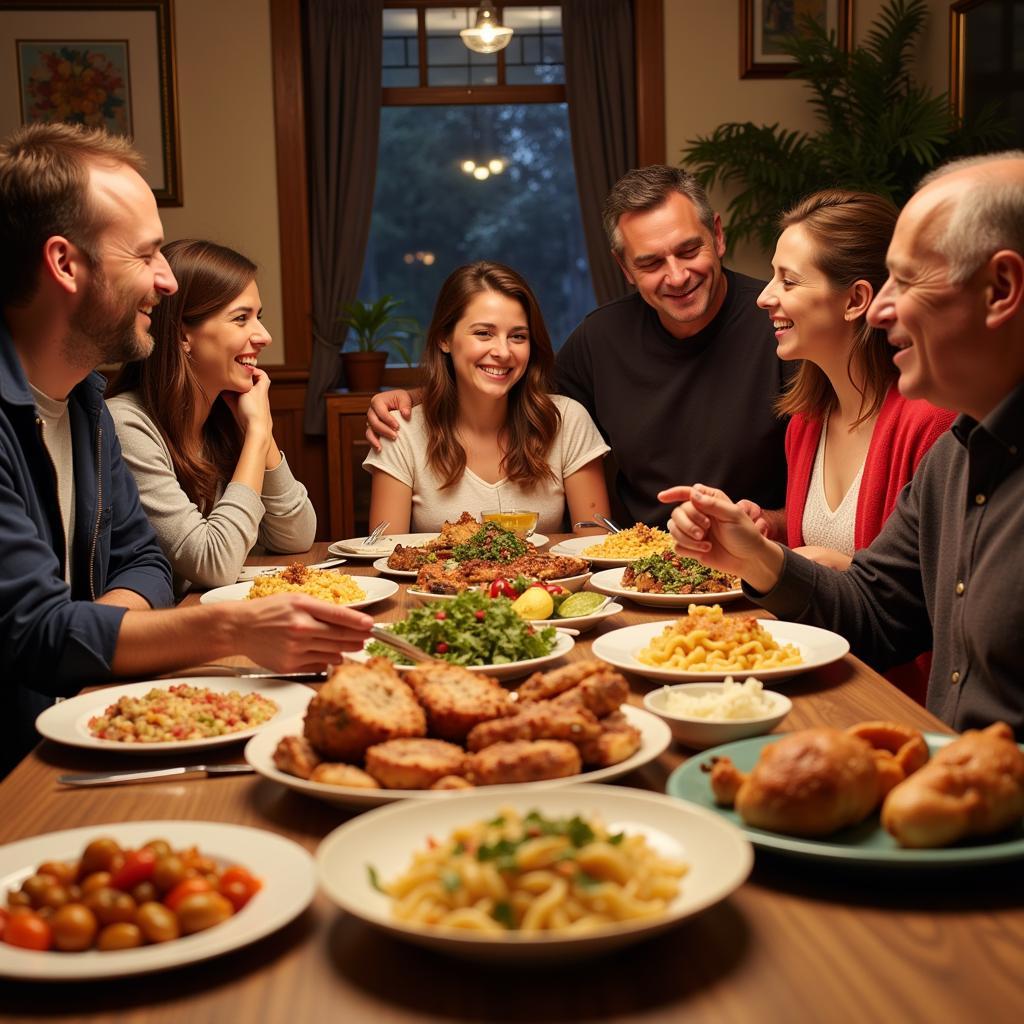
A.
x: 811, y: 783
x: 973, y: 787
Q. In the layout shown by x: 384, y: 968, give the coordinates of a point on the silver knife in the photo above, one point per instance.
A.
x: 146, y: 774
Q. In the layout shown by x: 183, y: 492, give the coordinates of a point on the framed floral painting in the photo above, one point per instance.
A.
x: 765, y: 25
x: 104, y: 64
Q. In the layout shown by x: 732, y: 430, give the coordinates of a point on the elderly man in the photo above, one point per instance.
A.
x: 80, y: 272
x: 681, y: 376
x: 945, y: 573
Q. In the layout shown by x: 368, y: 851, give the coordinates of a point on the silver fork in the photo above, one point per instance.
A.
x: 375, y: 534
x: 386, y: 636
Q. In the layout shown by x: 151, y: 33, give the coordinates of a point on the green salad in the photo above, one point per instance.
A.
x: 492, y: 543
x: 471, y: 629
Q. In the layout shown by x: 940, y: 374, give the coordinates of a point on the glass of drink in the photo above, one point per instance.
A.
x: 518, y: 520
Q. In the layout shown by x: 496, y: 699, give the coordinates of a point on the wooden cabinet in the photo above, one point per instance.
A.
x: 349, y: 483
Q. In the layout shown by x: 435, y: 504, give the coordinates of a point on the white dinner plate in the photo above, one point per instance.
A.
x: 68, y: 721
x: 655, y: 737
x: 575, y: 546
x: 609, y: 581
x: 285, y: 868
x: 381, y: 565
x: 580, y: 622
x: 353, y: 547
x: 375, y: 589
x: 817, y: 646
x: 718, y: 856
x: 510, y: 670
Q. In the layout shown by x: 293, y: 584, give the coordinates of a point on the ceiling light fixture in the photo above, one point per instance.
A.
x: 488, y: 35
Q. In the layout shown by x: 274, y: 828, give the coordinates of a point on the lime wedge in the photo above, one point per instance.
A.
x: 584, y: 602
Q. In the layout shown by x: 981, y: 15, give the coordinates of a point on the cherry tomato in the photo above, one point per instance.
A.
x: 123, y: 935
x: 552, y: 588
x: 188, y: 887
x: 440, y: 616
x: 74, y: 927
x: 502, y: 588
x: 480, y: 615
x: 239, y: 886
x: 441, y: 647
x: 168, y: 872
x: 61, y: 871
x: 99, y: 855
x: 201, y: 910
x: 138, y: 867
x: 28, y: 930
x: 157, y: 922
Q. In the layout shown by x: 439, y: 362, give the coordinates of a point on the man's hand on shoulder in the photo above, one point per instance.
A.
x: 379, y: 419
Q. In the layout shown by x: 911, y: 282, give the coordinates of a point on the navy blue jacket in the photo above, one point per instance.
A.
x: 54, y: 638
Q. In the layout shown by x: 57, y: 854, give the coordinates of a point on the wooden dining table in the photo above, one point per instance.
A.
x: 800, y: 941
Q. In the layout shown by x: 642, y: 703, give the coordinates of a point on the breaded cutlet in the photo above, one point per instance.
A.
x: 616, y: 741
x: 295, y: 756
x: 545, y: 685
x: 331, y: 774
x: 600, y: 693
x: 414, y: 763
x: 361, y: 705
x: 523, y: 761
x: 536, y: 721
x: 456, y: 699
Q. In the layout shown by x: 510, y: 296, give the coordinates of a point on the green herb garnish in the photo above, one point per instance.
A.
x: 502, y: 913
x: 492, y: 543
x: 371, y: 871
x: 585, y: 881
x: 579, y: 832
x: 675, y: 573
x: 617, y: 838
x: 450, y: 880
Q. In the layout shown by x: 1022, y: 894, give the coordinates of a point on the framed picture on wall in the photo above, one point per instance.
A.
x: 765, y: 25
x: 986, y: 68
x: 103, y: 63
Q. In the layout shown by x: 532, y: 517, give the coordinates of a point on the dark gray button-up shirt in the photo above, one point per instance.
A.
x: 945, y: 573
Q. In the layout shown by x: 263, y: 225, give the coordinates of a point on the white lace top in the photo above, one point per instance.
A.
x: 823, y: 526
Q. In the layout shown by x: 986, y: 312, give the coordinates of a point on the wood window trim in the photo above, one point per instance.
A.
x: 292, y: 176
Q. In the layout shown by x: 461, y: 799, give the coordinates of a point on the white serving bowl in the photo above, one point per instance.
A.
x: 701, y: 733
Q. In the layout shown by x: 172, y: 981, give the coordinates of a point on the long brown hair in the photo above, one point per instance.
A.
x: 851, y: 232
x: 533, y: 420
x: 209, y: 277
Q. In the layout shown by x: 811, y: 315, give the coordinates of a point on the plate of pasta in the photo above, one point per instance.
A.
x: 514, y: 876
x: 336, y: 587
x: 609, y: 581
x: 706, y: 644
x: 618, y: 548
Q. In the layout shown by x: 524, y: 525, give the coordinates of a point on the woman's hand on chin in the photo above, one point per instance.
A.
x: 252, y: 409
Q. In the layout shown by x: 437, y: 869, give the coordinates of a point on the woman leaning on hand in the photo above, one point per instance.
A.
x: 195, y: 426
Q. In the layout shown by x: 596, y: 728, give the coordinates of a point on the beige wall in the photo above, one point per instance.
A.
x: 703, y: 88
x: 226, y: 116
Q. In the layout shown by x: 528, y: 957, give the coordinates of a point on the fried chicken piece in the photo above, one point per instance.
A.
x: 542, y: 566
x: 456, y: 699
x: 453, y: 782
x: 898, y: 750
x: 361, y: 705
x: 601, y: 693
x: 295, y: 756
x: 331, y: 774
x: 414, y: 763
x: 459, y: 532
x: 409, y: 559
x: 536, y: 721
x: 616, y: 741
x: 523, y: 761
x: 973, y: 787
x: 545, y: 685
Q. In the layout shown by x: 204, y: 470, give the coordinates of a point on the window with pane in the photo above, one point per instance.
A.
x: 462, y: 179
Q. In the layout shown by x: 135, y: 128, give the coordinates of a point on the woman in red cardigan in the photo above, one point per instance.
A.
x: 853, y: 441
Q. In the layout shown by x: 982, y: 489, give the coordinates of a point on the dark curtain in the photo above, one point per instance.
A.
x: 343, y: 45
x: 600, y: 85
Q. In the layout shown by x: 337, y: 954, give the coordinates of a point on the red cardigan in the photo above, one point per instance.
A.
x: 903, y: 432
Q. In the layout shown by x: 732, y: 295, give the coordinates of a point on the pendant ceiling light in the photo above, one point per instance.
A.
x: 488, y: 34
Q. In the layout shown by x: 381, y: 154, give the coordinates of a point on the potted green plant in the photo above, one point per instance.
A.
x: 879, y: 129
x: 372, y: 327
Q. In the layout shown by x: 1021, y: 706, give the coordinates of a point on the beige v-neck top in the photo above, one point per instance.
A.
x: 823, y: 526
x: 576, y: 443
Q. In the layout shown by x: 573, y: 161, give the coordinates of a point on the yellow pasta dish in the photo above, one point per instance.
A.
x: 528, y: 873
x: 336, y: 587
x: 709, y: 641
x: 635, y: 542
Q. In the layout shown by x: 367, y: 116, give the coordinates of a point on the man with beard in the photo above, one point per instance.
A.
x: 681, y: 376
x: 80, y: 273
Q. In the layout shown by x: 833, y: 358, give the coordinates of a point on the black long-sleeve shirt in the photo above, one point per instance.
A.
x: 946, y: 573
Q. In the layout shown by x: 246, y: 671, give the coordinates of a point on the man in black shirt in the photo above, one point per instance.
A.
x: 946, y: 571
x: 681, y: 376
